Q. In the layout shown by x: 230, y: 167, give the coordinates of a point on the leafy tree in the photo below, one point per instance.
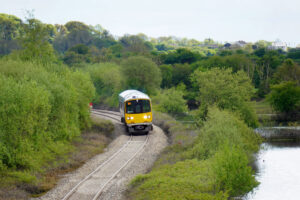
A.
x: 135, y: 44
x: 288, y: 71
x: 294, y: 53
x: 35, y: 42
x: 108, y: 81
x: 227, y: 90
x: 166, y: 73
x: 285, y: 97
x: 10, y: 30
x: 181, y: 74
x: 171, y: 101
x: 141, y: 73
x: 181, y: 55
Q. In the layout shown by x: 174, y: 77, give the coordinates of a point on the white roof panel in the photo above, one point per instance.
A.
x: 132, y: 94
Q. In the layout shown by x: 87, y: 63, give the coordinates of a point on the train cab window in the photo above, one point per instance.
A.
x: 138, y: 106
x: 146, y: 106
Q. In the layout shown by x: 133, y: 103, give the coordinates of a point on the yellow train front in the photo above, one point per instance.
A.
x: 136, y: 111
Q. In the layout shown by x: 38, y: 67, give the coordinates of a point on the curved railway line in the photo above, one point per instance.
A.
x: 92, y: 185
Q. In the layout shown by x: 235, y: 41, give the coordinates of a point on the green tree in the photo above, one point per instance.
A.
x: 285, y: 97
x: 227, y: 90
x: 171, y: 101
x: 141, y: 73
x: 10, y: 30
x: 166, y: 72
x: 35, y: 42
x: 288, y: 71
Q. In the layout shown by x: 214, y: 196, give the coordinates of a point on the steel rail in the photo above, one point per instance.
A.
x: 69, y: 194
x: 116, y: 173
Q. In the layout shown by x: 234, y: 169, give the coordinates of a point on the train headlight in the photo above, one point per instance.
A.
x: 145, y: 116
x: 128, y: 118
x: 131, y: 118
x: 149, y: 116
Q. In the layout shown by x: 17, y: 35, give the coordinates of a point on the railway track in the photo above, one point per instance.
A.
x: 108, y: 114
x: 94, y: 184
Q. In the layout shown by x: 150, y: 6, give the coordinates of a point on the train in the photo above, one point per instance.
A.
x: 136, y: 111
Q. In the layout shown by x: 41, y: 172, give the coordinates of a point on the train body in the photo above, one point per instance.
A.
x: 136, y: 111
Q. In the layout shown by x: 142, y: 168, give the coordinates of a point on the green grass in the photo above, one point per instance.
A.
x: 262, y: 107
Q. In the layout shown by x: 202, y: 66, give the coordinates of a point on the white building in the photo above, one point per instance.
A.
x: 278, y: 45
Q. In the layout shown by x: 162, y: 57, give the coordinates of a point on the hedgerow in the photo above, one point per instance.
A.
x: 42, y: 108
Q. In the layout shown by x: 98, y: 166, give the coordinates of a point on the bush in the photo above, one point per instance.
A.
x: 227, y: 90
x: 142, y: 74
x: 170, y: 101
x: 42, y: 108
x: 285, y: 97
x: 220, y: 127
x: 108, y: 81
x: 190, y: 179
x: 232, y: 173
x: 210, y: 165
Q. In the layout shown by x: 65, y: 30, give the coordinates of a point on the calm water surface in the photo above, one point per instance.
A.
x: 278, y: 171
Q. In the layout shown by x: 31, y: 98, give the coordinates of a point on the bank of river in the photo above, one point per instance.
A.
x: 278, y: 171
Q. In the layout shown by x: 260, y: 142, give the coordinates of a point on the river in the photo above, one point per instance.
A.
x: 278, y: 171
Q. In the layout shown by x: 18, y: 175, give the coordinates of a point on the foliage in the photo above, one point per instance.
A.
x: 234, y: 176
x: 189, y: 179
x: 288, y: 71
x: 222, y: 127
x: 166, y: 73
x: 285, y: 97
x: 35, y: 43
x: 42, y: 108
x: 108, y: 81
x: 170, y: 101
x: 213, y: 166
x: 227, y: 90
x: 141, y: 74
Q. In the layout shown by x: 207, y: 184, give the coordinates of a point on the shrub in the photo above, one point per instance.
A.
x: 227, y: 90
x: 42, y: 108
x: 230, y: 167
x: 285, y: 97
x: 170, y: 101
x: 108, y: 81
x: 220, y: 127
x: 190, y: 179
x: 142, y: 74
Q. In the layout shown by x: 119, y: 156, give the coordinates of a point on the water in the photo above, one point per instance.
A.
x: 278, y: 171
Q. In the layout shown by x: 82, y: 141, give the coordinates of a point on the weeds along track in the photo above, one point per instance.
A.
x: 92, y: 186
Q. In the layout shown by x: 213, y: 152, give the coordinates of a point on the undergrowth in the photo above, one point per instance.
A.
x: 207, y: 163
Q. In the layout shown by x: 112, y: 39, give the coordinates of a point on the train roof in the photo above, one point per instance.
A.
x: 132, y: 94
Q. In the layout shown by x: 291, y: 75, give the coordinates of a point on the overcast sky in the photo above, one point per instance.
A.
x: 221, y: 20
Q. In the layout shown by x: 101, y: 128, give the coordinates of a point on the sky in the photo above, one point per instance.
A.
x: 221, y: 20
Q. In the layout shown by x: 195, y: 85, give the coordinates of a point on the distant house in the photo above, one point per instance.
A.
x: 227, y: 45
x: 278, y: 45
x: 240, y: 43
x: 235, y: 45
